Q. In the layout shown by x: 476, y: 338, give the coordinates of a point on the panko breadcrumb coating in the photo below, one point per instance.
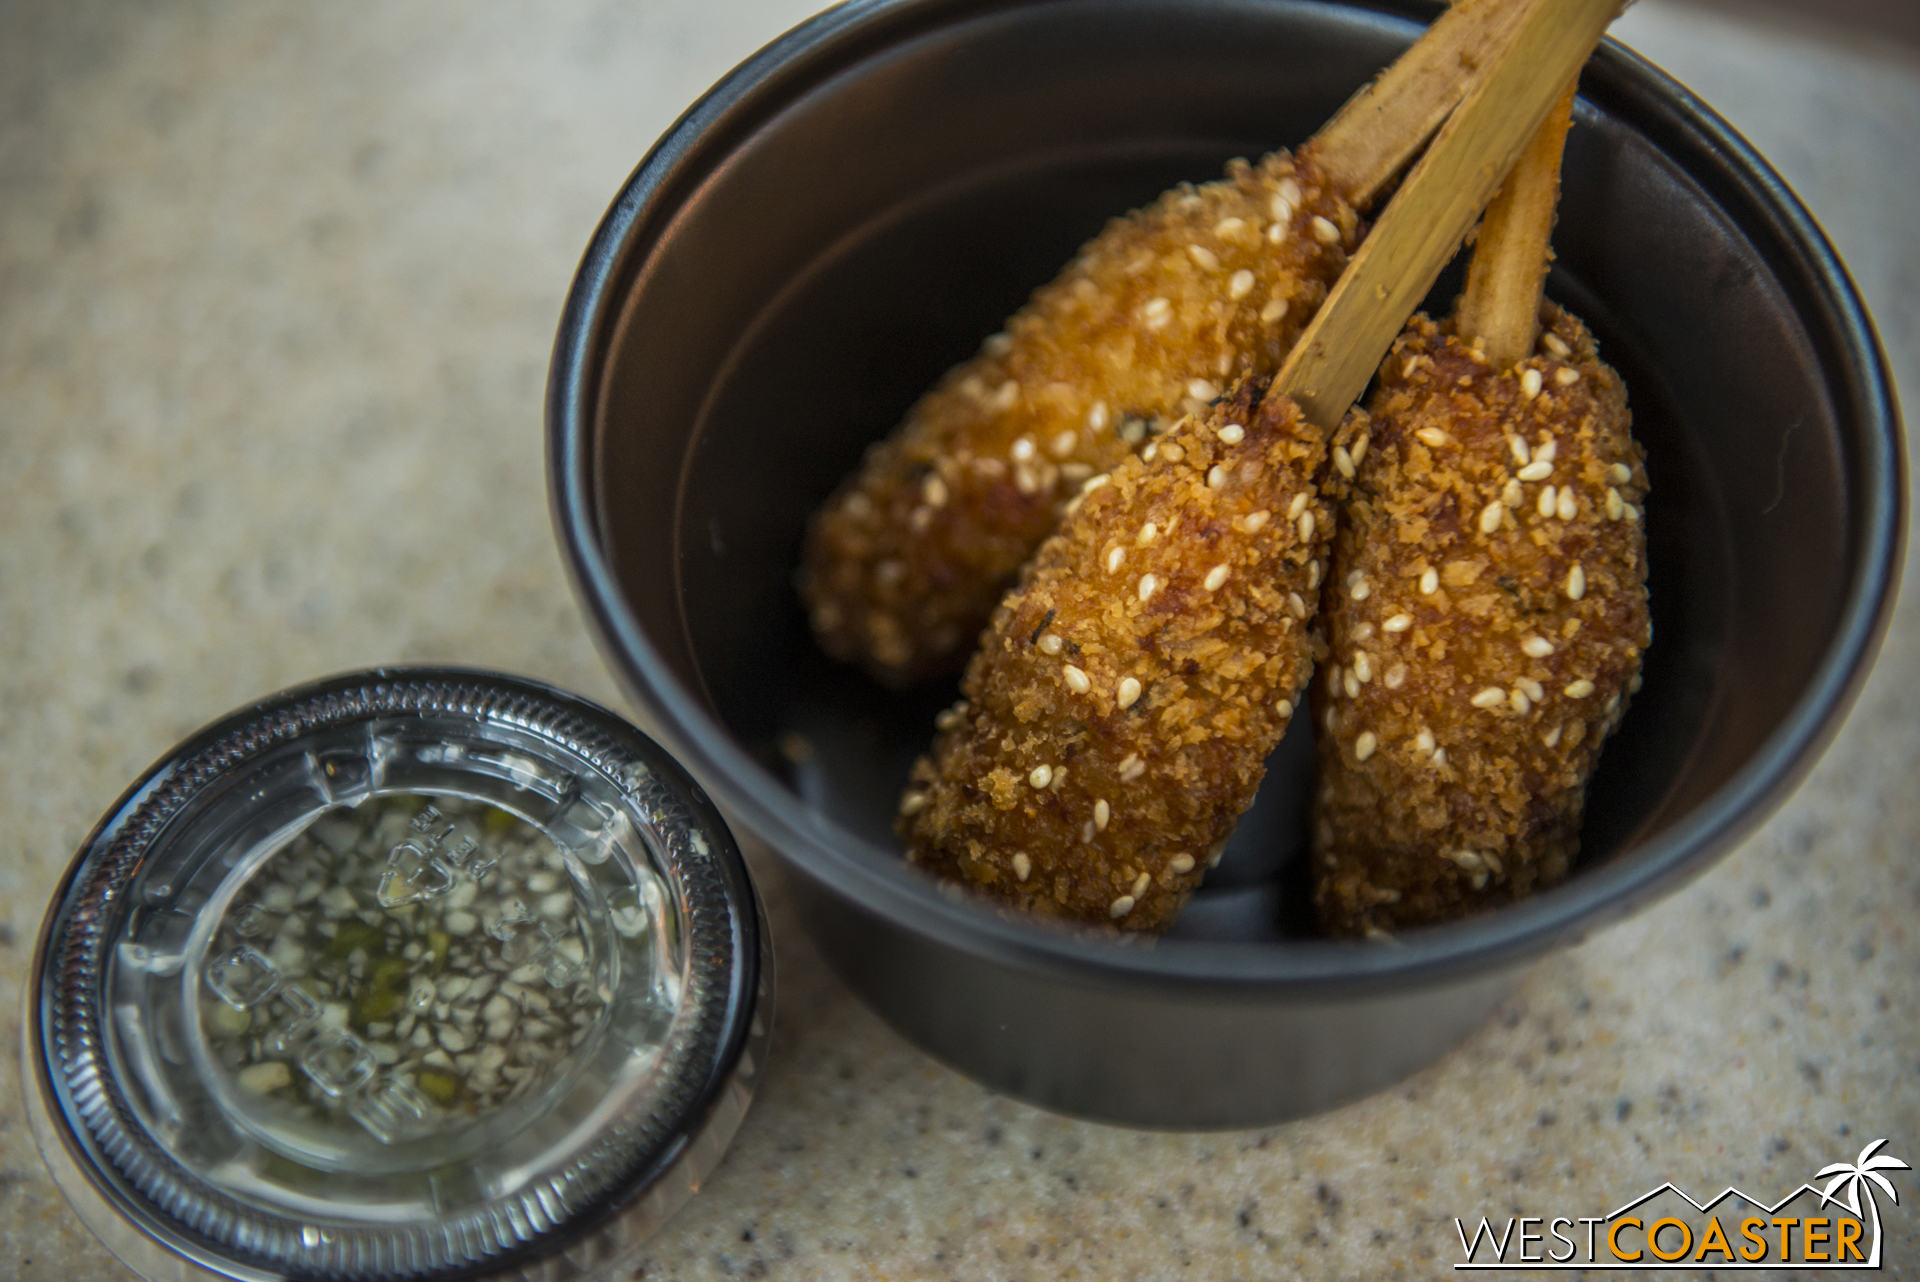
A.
x: 1120, y: 710
x: 904, y: 564
x: 1486, y: 612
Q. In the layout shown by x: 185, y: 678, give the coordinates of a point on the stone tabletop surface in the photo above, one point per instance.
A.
x: 277, y: 289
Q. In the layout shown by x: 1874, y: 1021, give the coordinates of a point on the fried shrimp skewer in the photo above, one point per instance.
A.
x: 904, y: 563
x: 1486, y: 609
x: 1121, y: 708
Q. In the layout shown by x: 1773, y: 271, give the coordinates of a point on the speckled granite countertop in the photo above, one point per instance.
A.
x: 277, y: 287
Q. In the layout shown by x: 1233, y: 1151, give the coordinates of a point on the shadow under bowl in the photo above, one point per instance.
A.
x: 847, y: 214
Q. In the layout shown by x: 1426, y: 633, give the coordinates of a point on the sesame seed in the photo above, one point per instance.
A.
x: 1537, y: 647
x: 1535, y: 471
x: 1546, y: 451
x: 1569, y: 506
x: 1363, y: 746
x: 1181, y: 863
x: 1102, y: 812
x: 1518, y: 446
x: 1274, y: 310
x: 1232, y: 434
x: 1240, y: 284
x: 1433, y: 436
x: 1120, y: 907
x: 1313, y: 571
x: 1140, y: 885
x: 1620, y: 472
x: 1025, y: 479
x: 1631, y: 512
x: 1324, y: 231
x: 1491, y: 517
x: 1127, y: 692
x: 1299, y: 505
x: 1439, y: 756
x: 1351, y: 684
x: 1087, y: 831
x: 1284, y: 707
x: 1022, y: 449
x: 1633, y: 686
x: 1576, y: 583
x: 1363, y: 666
x: 1228, y: 228
x: 1097, y: 416
x: 1567, y: 377
x: 1132, y: 768
x: 1398, y: 623
x: 1396, y: 676
x: 1429, y: 582
x: 1518, y: 698
x: 1343, y: 461
x: 1216, y: 476
x: 1201, y: 389
x: 1535, y: 691
x: 1148, y: 533
x: 934, y: 491
x: 1579, y: 689
x: 1041, y: 776
x: 1290, y: 191
x: 1215, y: 577
x: 1616, y: 506
x: 1362, y: 631
x: 1306, y: 533
x: 1361, y: 590
x: 1093, y: 483
x: 1547, y: 501
x: 1281, y: 208
x: 1076, y: 679
x: 1008, y: 396
x: 912, y: 803
x: 1514, y: 494
x: 1254, y: 522
x: 1333, y: 718
x: 1051, y: 643
x: 1157, y: 313
x: 1359, y: 450
x: 1021, y: 866
x: 1424, y: 742
x: 1491, y: 697
x: 1147, y: 584
x: 1530, y: 383
x: 1174, y: 451
x: 1552, y: 737
x: 1064, y: 443
x: 1554, y: 345
x: 1203, y: 257
x: 1114, y: 558
x: 1296, y: 605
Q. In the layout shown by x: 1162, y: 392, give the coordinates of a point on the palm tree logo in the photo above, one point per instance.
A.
x: 1854, y: 1175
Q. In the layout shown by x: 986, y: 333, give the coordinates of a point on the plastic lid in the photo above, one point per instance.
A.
x: 403, y: 974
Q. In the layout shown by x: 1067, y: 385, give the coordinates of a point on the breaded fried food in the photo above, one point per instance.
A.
x: 1119, y: 712
x: 1486, y: 613
x: 905, y: 561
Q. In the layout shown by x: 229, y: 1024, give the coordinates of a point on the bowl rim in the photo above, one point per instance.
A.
x: 1684, y: 129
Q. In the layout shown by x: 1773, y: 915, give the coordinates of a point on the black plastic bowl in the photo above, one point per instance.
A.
x: 847, y: 215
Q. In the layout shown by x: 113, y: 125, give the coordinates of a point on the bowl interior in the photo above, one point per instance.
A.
x: 836, y: 255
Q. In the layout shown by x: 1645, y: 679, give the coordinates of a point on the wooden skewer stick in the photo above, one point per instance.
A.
x: 1500, y: 306
x: 1384, y: 126
x: 1427, y: 218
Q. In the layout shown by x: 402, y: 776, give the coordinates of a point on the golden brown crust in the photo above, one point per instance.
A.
x: 905, y: 562
x: 1484, y: 635
x: 1121, y: 707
